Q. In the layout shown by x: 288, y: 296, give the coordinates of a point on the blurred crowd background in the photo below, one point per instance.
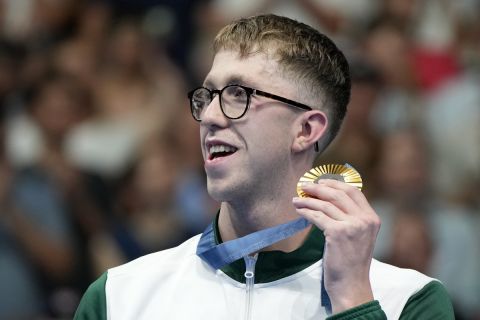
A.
x: 100, y: 160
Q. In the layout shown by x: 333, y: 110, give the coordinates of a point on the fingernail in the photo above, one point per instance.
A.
x: 306, y: 185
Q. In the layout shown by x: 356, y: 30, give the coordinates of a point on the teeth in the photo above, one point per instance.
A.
x: 221, y: 148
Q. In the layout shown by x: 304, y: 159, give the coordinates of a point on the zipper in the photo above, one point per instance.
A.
x: 250, y: 262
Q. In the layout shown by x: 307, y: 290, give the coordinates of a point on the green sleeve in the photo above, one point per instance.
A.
x: 93, y: 305
x: 432, y: 302
x: 366, y: 311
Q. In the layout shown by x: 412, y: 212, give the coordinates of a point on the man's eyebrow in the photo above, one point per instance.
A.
x: 234, y: 79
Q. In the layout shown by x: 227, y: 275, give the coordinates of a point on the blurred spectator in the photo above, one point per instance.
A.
x: 147, y: 216
x: 389, y: 49
x: 81, y: 54
x: 147, y: 199
x: 58, y: 104
x: 131, y: 88
x: 404, y: 182
x: 452, y: 116
x: 357, y: 142
x: 38, y: 23
x: 77, y: 59
x: 412, y: 243
x: 52, y: 195
x: 170, y: 22
x: 136, y: 95
x: 37, y: 248
x: 401, y: 13
x: 93, y: 23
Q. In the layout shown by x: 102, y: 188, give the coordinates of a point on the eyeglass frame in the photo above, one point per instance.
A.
x: 249, y: 91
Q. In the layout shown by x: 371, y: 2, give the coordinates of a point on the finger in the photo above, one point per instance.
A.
x: 332, y: 194
x: 352, y: 191
x: 322, y: 221
x: 361, y: 209
x: 320, y: 205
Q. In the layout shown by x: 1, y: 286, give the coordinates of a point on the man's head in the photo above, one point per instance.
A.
x: 305, y: 55
x: 257, y: 126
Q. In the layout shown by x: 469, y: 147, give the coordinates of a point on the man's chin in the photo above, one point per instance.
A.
x: 221, y: 190
x: 217, y: 193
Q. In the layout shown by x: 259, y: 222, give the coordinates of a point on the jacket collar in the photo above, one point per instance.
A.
x: 275, y: 265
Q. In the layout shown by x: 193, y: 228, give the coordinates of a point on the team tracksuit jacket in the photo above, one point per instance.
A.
x: 177, y: 284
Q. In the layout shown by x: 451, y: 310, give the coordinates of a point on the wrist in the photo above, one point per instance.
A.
x: 350, y: 297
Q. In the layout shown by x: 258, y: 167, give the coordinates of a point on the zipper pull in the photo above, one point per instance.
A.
x: 250, y: 266
x: 250, y: 262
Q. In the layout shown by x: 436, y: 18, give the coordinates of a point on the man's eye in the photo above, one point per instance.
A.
x: 202, y: 96
x: 238, y: 93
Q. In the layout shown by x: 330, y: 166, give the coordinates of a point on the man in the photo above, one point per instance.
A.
x: 277, y: 92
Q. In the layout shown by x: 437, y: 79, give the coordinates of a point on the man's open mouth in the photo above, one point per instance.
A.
x: 220, y: 150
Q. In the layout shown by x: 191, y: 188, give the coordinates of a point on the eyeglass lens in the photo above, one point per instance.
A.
x: 233, y: 101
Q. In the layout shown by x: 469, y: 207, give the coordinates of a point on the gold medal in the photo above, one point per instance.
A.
x: 345, y: 173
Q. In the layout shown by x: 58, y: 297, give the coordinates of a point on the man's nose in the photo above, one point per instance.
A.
x: 213, y: 115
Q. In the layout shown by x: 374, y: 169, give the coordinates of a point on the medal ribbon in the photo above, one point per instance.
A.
x: 219, y: 255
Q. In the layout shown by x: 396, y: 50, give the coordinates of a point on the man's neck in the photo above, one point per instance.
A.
x: 239, y: 220
x: 269, y: 206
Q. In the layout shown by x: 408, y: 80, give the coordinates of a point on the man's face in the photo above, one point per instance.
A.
x: 250, y: 154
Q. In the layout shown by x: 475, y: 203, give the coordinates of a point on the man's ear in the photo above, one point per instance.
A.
x: 311, y: 127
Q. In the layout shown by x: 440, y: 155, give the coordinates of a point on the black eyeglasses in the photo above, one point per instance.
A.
x: 234, y: 101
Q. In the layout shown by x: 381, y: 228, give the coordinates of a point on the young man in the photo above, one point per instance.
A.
x: 276, y: 92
